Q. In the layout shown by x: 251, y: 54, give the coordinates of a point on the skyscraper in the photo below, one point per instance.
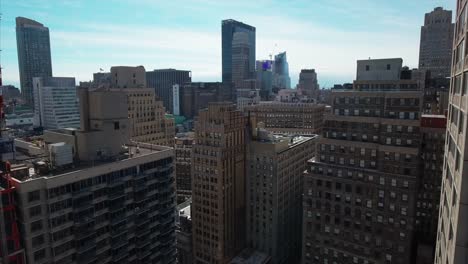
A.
x: 281, y: 78
x: 163, y: 81
x: 34, y: 59
x: 218, y: 184
x: 265, y: 79
x: 452, y: 234
x: 435, y: 51
x: 228, y: 28
x: 241, y: 70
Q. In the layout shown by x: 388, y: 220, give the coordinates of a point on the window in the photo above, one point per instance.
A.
x: 382, y: 181
x: 38, y: 240
x: 361, y: 164
x: 33, y: 211
x: 37, y: 225
x: 402, y: 115
x: 367, y: 68
x: 116, y: 125
x: 34, y: 196
x: 405, y: 184
x: 388, y: 67
x: 388, y: 141
x: 39, y: 255
x: 389, y: 128
x: 404, y: 197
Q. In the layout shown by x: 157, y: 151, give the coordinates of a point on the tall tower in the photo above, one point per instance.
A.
x: 435, y: 51
x: 34, y: 57
x: 240, y: 59
x: 452, y: 235
x: 228, y: 29
x: 218, y: 184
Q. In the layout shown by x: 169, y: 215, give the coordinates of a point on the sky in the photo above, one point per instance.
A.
x: 327, y: 35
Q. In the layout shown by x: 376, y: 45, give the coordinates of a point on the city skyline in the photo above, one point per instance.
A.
x: 156, y: 38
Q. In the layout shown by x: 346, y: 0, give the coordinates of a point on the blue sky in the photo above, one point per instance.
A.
x: 328, y: 35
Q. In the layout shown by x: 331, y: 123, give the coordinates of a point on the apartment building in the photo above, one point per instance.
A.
x: 360, y: 191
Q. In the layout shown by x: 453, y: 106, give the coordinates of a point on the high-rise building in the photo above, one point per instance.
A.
x: 218, y: 184
x: 433, y: 129
x: 379, y: 69
x: 197, y: 95
x: 452, y: 234
x: 275, y: 166
x: 265, y: 79
x: 289, y: 118
x: 435, y: 50
x: 184, y: 234
x: 163, y: 81
x: 229, y: 28
x: 308, y: 83
x: 183, y: 150
x: 55, y: 103
x: 34, y: 59
x: 281, y: 78
x: 240, y: 59
x: 97, y: 197
x: 361, y: 190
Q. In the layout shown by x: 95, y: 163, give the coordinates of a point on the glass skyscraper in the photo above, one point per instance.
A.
x: 228, y: 28
x: 34, y: 57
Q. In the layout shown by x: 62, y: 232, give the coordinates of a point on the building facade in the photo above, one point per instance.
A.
x: 379, y: 69
x: 162, y: 81
x: 218, y: 184
x: 289, y: 118
x: 34, y: 59
x: 275, y: 167
x: 360, y: 191
x: 435, y: 50
x: 433, y: 129
x: 265, y: 79
x: 308, y: 83
x: 183, y: 150
x: 55, y: 103
x: 229, y: 28
x: 452, y: 234
x: 197, y: 95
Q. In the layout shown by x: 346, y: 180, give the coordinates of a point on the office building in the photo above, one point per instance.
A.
x: 10, y: 93
x: 229, y: 28
x: 183, y: 151
x: 251, y: 256
x: 281, y: 78
x: 218, y: 184
x: 247, y: 94
x: 55, y: 103
x: 275, y: 167
x: 452, y: 233
x: 433, y: 129
x: 379, y: 69
x: 34, y: 59
x: 265, y: 79
x: 97, y: 196
x: 289, y: 118
x: 163, y: 81
x: 435, y: 50
x: 360, y: 191
x: 308, y: 83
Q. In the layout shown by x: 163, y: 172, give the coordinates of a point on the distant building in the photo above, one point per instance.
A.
x: 229, y: 28
x: 379, y: 69
x: 218, y: 184
x: 248, y: 94
x: 289, y: 118
x: 240, y: 59
x: 20, y: 120
x: 250, y: 256
x: 265, y: 79
x: 163, y: 80
x: 146, y: 112
x: 308, y: 83
x: 55, y: 103
x: 281, y: 79
x: 275, y: 166
x: 10, y: 92
x: 196, y: 96
x: 435, y: 50
x: 34, y: 59
x: 183, y: 149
